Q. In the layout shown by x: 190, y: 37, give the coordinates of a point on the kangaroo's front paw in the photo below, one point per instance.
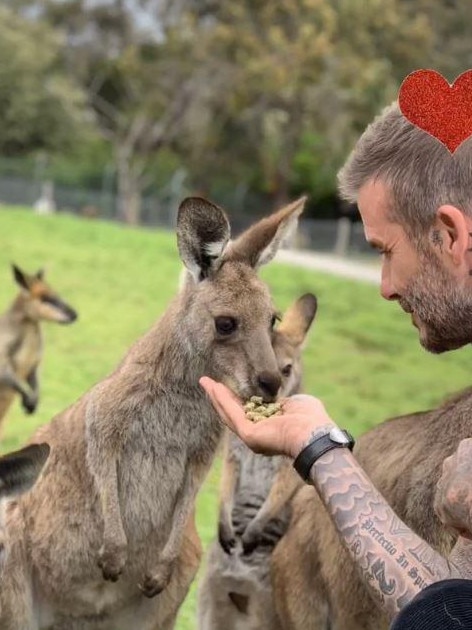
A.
x: 154, y: 584
x: 29, y: 403
x: 250, y: 539
x: 111, y: 560
x: 226, y: 538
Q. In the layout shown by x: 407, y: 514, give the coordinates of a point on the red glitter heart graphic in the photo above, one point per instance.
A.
x: 441, y: 109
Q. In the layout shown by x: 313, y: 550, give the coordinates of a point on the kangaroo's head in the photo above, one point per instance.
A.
x: 18, y: 473
x: 288, y: 341
x: 39, y: 301
x: 228, y: 310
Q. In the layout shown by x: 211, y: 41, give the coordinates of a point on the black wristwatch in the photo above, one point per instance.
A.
x: 335, y: 438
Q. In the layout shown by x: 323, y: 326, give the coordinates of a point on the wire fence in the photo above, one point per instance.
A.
x: 340, y: 236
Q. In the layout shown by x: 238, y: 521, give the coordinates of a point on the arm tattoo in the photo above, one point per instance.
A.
x: 394, y: 562
x: 323, y: 430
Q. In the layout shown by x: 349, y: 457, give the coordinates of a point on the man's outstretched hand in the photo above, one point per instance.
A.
x: 285, y: 434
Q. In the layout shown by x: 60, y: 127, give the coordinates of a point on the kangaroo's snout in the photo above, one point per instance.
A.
x: 269, y: 384
x: 70, y: 314
x: 64, y: 314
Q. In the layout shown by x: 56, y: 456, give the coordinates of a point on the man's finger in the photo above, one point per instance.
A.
x: 225, y: 404
x: 230, y: 406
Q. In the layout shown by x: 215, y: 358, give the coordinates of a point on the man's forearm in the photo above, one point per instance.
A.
x: 395, y: 563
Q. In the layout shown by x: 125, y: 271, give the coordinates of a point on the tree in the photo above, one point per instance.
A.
x: 305, y: 75
x: 452, y: 33
x: 145, y: 80
x: 40, y: 108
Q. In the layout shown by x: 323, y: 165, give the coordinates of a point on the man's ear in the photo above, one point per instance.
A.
x: 456, y: 229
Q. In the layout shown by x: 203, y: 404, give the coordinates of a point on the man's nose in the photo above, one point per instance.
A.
x: 387, y: 290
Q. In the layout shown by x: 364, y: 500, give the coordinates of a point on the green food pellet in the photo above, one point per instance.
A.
x: 256, y: 410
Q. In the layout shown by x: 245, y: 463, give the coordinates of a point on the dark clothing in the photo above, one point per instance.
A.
x: 445, y: 605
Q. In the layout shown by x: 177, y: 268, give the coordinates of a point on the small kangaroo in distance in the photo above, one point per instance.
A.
x: 107, y: 526
x: 255, y: 495
x: 18, y: 473
x: 21, y: 339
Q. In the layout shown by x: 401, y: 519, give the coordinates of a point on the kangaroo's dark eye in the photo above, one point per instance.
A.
x: 225, y: 325
x: 287, y: 370
x: 274, y: 320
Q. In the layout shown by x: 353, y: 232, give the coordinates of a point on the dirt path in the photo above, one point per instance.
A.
x: 331, y: 264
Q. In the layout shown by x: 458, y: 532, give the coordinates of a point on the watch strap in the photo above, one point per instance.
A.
x: 313, y: 451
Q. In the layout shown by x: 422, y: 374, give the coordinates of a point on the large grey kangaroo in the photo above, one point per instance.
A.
x: 21, y: 344
x: 235, y: 591
x: 317, y: 584
x: 106, y: 528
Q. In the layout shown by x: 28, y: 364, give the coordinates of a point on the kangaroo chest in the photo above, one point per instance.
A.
x: 164, y: 459
x: 25, y: 350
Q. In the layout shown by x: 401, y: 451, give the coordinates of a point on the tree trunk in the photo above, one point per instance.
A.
x: 129, y: 193
x: 343, y: 236
x: 280, y: 189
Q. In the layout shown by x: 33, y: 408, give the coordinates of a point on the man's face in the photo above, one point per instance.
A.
x: 440, y: 305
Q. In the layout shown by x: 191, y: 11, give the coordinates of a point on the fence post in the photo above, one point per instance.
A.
x: 343, y: 236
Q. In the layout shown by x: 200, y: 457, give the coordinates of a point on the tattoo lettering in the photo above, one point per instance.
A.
x: 414, y: 574
x: 402, y: 561
x: 377, y: 535
x: 395, y: 562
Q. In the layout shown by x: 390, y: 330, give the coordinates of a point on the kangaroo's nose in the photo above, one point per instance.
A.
x: 71, y: 314
x: 269, y: 384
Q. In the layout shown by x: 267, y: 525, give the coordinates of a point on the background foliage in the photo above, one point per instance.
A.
x: 249, y: 99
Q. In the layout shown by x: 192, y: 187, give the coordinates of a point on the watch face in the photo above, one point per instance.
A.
x: 338, y: 436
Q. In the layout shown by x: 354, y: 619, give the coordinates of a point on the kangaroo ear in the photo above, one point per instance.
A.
x: 20, y: 277
x: 40, y: 274
x: 19, y: 470
x: 258, y: 245
x: 203, y: 232
x: 298, y: 318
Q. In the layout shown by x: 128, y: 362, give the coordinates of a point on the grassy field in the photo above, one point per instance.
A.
x: 362, y: 358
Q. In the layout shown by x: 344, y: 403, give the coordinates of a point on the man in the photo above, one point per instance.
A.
x: 415, y: 200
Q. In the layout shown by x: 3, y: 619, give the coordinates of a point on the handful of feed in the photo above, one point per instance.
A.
x: 256, y: 409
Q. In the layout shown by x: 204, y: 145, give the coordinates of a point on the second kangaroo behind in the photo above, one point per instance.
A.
x: 255, y: 498
x: 21, y: 340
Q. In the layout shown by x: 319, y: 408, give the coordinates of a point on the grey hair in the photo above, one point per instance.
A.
x: 419, y: 170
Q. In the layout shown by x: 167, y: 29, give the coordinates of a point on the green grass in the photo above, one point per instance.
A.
x: 362, y: 358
